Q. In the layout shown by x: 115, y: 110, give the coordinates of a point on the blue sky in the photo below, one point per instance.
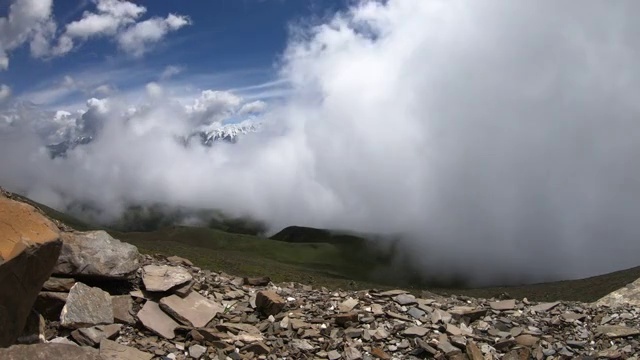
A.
x: 228, y: 44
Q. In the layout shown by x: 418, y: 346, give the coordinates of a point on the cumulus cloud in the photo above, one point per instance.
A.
x: 110, y: 17
x: 213, y: 107
x: 120, y: 19
x: 31, y: 20
x: 136, y: 39
x: 26, y: 21
x: 5, y: 92
x: 499, y: 137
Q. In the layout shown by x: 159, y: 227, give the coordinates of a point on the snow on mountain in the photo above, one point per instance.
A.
x: 229, y: 133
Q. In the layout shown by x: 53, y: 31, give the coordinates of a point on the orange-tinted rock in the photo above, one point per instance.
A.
x: 269, y: 303
x: 29, y: 248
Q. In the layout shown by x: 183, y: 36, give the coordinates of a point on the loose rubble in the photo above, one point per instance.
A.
x: 224, y: 317
x: 168, y: 309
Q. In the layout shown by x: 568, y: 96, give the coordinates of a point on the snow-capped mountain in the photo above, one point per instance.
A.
x: 62, y: 131
x: 229, y: 133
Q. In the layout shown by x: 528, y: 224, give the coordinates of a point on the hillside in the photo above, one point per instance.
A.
x: 325, y: 258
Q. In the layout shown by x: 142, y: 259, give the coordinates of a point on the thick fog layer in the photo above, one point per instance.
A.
x: 501, y: 137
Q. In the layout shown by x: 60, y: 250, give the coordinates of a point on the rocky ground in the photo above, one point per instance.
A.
x: 107, y: 301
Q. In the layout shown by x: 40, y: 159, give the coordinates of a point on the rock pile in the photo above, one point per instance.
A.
x: 106, y: 301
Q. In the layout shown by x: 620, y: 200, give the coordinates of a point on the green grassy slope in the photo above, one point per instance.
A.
x: 317, y: 257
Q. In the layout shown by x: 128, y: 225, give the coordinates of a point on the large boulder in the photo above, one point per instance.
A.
x: 49, y: 352
x: 29, y: 248
x: 96, y: 254
x: 627, y: 295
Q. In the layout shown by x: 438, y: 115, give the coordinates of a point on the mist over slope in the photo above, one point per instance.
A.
x: 500, y: 137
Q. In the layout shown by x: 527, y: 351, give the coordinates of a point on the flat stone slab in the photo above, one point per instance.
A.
x: 193, y: 310
x: 164, y: 277
x: 122, y: 308
x: 503, y: 305
x: 544, y: 306
x: 58, y: 284
x: 405, y: 299
x: 390, y: 293
x: 111, y: 350
x: 94, y: 335
x: 156, y: 320
x: 348, y: 305
x: 416, y: 331
x: 49, y: 351
x: 86, y: 306
x: 613, y: 331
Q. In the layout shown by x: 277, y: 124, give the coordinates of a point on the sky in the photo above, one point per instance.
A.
x: 209, y: 49
x: 499, y: 138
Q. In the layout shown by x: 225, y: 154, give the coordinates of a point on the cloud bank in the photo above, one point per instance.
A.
x: 499, y: 137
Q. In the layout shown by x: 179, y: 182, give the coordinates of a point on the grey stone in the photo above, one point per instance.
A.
x: 405, y: 299
x: 49, y: 351
x: 616, y: 331
x: 447, y: 348
x: 122, y: 308
x: 416, y: 331
x: 179, y: 261
x: 94, y: 335
x: 184, y: 289
x: 473, y: 351
x: 196, y: 351
x: 503, y: 305
x: 527, y: 340
x: 62, y: 340
x: 392, y: 293
x: 303, y: 345
x: 544, y: 306
x: 86, y: 306
x: 156, y: 320
x: 111, y: 350
x: 353, y: 333
x: 351, y: 353
x: 194, y: 310
x: 257, y: 348
x: 627, y: 295
x: 96, y: 254
x: 164, y: 277
x: 58, y: 284
x: 348, y: 305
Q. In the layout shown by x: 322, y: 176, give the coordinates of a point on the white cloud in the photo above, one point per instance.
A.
x: 103, y: 90
x: 154, y: 89
x: 500, y: 137
x: 213, y: 107
x: 5, y: 92
x: 31, y: 21
x: 171, y: 71
x: 119, y: 19
x: 257, y: 106
x: 111, y: 17
x: 27, y: 20
x: 136, y: 39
